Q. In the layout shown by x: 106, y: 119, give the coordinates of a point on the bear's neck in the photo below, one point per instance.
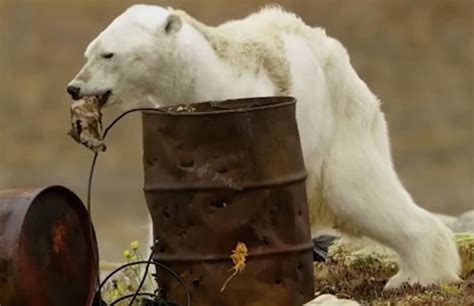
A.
x: 199, y: 74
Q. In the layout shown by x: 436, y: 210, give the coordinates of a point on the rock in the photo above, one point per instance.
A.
x: 447, y: 220
x: 461, y: 224
x: 464, y: 223
x: 331, y: 300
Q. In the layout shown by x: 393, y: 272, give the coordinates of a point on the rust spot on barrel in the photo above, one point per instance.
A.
x: 223, y: 173
x: 58, y: 233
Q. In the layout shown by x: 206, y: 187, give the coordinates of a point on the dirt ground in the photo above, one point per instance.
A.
x: 417, y: 56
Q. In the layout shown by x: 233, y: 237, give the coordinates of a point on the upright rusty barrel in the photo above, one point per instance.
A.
x: 221, y: 173
x: 47, y: 249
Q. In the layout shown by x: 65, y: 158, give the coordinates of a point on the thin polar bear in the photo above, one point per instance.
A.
x: 166, y: 57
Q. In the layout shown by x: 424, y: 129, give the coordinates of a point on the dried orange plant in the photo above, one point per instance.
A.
x: 238, y: 257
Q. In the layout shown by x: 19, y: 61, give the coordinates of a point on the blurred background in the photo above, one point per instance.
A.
x: 417, y: 56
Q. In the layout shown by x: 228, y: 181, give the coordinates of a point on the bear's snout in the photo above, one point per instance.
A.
x: 74, y: 91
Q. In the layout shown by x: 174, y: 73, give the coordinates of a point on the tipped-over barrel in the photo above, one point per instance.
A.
x: 47, y: 249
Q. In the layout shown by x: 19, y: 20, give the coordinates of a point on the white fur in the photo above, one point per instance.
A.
x: 351, y: 184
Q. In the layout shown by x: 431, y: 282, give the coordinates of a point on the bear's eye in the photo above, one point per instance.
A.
x: 107, y: 55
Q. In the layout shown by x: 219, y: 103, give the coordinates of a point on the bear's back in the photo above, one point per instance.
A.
x: 270, y: 19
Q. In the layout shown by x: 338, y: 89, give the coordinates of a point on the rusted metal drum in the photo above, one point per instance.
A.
x: 221, y: 173
x: 47, y: 249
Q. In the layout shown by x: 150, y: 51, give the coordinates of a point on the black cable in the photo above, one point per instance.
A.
x: 142, y: 109
x: 96, y: 154
x: 149, y: 261
x: 144, y: 275
x: 95, y: 252
x: 92, y: 169
x: 156, y: 263
x: 125, y: 297
x: 89, y: 185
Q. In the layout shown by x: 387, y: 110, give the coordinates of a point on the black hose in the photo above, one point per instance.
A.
x: 149, y: 261
x: 145, y: 273
x: 125, y: 297
x: 160, y: 265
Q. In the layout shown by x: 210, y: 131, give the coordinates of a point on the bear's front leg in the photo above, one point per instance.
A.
x: 364, y: 192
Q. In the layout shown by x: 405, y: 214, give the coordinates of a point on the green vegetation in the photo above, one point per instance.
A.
x: 128, y: 280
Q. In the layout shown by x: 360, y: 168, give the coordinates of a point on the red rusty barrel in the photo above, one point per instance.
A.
x: 47, y: 249
x: 221, y: 173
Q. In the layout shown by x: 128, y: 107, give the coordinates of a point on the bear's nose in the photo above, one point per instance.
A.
x: 74, y: 91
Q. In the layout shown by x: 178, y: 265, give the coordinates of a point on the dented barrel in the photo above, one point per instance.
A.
x: 47, y: 249
x: 221, y: 173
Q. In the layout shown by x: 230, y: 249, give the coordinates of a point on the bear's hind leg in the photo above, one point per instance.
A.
x: 364, y: 191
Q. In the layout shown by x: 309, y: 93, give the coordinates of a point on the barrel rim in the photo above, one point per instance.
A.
x: 268, y: 102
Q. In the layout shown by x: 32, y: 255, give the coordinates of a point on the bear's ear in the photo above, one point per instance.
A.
x: 173, y: 24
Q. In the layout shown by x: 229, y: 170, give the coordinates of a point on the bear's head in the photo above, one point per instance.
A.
x: 126, y: 59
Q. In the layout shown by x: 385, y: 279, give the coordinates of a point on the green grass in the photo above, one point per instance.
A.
x: 128, y: 280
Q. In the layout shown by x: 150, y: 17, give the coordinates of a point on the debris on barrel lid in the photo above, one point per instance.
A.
x: 86, y: 123
x: 182, y: 108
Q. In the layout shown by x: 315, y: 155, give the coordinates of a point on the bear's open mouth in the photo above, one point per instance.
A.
x: 104, y: 97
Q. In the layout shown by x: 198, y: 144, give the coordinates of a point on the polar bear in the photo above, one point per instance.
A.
x: 163, y: 57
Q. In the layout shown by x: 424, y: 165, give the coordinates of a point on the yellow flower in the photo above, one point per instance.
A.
x: 135, y: 245
x: 127, y: 254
